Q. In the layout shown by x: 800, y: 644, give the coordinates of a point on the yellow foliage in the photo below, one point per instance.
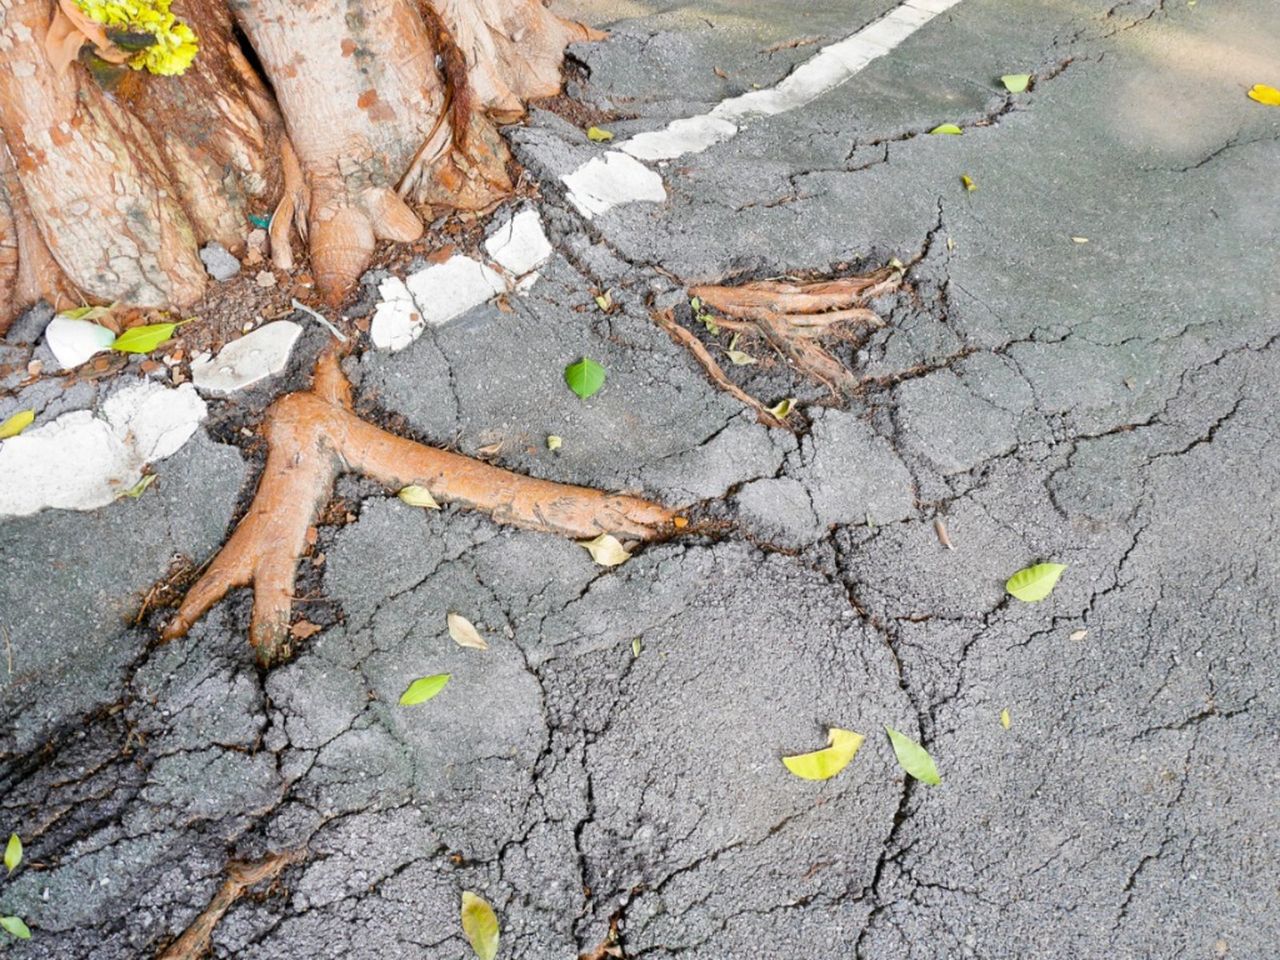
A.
x: 174, y: 45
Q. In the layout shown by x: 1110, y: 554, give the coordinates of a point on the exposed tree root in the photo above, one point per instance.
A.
x: 195, y: 940
x: 687, y: 340
x: 313, y: 436
x: 795, y: 317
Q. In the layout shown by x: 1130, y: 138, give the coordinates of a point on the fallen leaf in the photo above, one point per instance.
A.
x: 554, y: 442
x: 826, y: 763
x: 1005, y: 721
x: 13, y: 853
x: 636, y: 647
x: 1078, y: 634
x: 605, y: 301
x: 605, y: 550
x: 464, y: 632
x: 940, y: 529
x: 968, y: 182
x: 913, y: 758
x: 951, y: 243
x: 1032, y: 584
x: 599, y: 135
x: 423, y: 689
x: 16, y: 424
x: 416, y: 496
x: 15, y: 927
x: 303, y: 629
x: 144, y: 339
x: 1265, y: 95
x: 719, y: 73
x: 782, y: 408
x: 584, y: 377
x: 950, y: 128
x: 134, y: 492
x: 740, y: 359
x: 480, y: 925
x: 680, y: 522
x: 87, y: 313
x: 489, y: 449
x: 1016, y: 82
x: 265, y: 279
x: 1079, y: 239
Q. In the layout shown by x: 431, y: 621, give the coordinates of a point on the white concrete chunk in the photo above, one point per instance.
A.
x: 81, y: 461
x: 432, y: 296
x: 75, y: 341
x: 247, y: 360
x: 604, y: 182
x: 520, y: 245
x: 396, y: 320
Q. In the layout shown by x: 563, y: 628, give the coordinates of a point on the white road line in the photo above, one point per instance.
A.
x: 601, y: 184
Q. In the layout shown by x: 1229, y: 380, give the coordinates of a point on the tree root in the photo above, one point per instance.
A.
x: 195, y: 940
x: 313, y: 436
x: 794, y: 317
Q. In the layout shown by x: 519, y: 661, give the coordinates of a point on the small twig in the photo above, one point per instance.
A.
x: 298, y: 305
x: 940, y: 529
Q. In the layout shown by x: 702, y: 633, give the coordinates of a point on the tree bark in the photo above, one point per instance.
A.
x: 112, y: 178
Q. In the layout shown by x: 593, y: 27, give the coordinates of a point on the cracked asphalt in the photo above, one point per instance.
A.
x: 1108, y: 405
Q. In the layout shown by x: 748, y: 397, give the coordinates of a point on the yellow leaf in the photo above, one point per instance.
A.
x: 416, y: 496
x: 826, y: 763
x: 605, y: 550
x: 480, y: 924
x: 1264, y: 94
x: 464, y: 632
x: 554, y: 442
x: 599, y: 135
x: 968, y: 182
x: 1004, y: 718
x: 782, y: 408
x: 949, y: 128
x: 16, y: 424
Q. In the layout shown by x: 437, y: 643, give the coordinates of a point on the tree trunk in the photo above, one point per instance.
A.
x: 112, y: 177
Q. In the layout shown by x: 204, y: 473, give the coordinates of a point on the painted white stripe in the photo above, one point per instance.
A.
x: 598, y: 185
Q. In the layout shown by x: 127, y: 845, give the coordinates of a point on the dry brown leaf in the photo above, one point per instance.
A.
x: 304, y: 628
x: 464, y: 632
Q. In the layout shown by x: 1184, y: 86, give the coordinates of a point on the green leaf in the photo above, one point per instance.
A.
x: 144, y: 339
x: 599, y: 135
x: 423, y: 689
x: 87, y: 313
x: 1016, y: 82
x: 913, y: 758
x: 950, y: 128
x: 13, y: 852
x: 134, y: 492
x: 15, y: 927
x: 480, y: 924
x: 416, y: 496
x: 826, y: 763
x: 782, y: 408
x: 1032, y: 584
x: 16, y: 424
x: 584, y: 377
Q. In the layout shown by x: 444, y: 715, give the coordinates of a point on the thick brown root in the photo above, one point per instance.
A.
x: 195, y: 940
x: 312, y: 437
x: 794, y: 317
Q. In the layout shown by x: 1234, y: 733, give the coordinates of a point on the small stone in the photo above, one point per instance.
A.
x: 34, y: 368
x: 266, y: 279
x: 75, y: 341
x: 218, y: 261
x: 257, y: 239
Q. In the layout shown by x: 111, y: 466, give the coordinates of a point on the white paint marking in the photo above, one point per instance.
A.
x: 599, y: 185
x: 604, y: 182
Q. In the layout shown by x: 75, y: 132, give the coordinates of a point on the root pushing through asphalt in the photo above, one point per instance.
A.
x: 795, y: 317
x: 314, y: 435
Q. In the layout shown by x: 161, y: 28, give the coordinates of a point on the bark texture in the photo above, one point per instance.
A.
x: 344, y: 117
